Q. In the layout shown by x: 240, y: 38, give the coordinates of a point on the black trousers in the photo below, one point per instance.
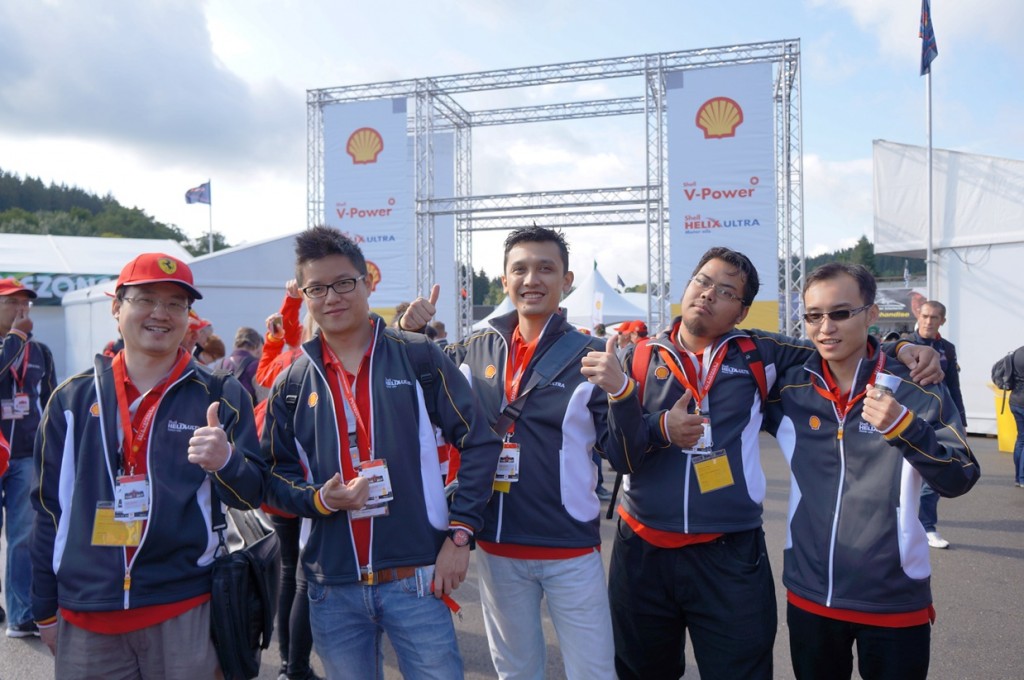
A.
x: 294, y: 638
x: 722, y: 591
x: 822, y: 648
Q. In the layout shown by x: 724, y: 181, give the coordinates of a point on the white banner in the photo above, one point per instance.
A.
x: 721, y: 172
x: 369, y: 193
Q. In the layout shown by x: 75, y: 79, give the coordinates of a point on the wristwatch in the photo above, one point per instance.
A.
x: 461, y: 537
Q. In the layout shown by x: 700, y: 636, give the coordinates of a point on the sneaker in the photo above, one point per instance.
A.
x: 3, y: 615
x: 22, y: 630
x: 936, y: 541
x: 603, y: 494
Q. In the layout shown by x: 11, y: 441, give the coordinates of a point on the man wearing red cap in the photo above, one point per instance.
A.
x: 26, y: 381
x: 132, y: 454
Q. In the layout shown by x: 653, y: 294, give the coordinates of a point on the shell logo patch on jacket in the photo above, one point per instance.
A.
x: 94, y: 410
x: 490, y: 371
x: 313, y: 399
x: 815, y: 423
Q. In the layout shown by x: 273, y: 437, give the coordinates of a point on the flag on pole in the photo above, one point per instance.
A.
x: 929, y: 49
x: 619, y: 281
x: 906, y: 274
x: 199, y: 194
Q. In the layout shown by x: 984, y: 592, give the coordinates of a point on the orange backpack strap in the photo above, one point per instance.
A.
x: 752, y: 355
x: 640, y: 360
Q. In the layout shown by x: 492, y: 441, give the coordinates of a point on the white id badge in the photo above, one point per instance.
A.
x: 376, y: 472
x: 508, y: 463
x: 131, y: 498
x: 7, y: 405
x: 21, y: 404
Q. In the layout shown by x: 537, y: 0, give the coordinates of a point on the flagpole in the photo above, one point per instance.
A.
x: 209, y: 205
x: 928, y: 255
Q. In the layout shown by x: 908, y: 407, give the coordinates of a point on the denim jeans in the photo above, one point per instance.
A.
x: 349, y: 620
x: 1018, y: 447
x: 577, y: 598
x: 17, y: 513
x: 928, y: 513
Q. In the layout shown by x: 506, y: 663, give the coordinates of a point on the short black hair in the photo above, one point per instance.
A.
x: 321, y: 241
x: 864, y: 278
x: 741, y: 262
x: 535, y: 234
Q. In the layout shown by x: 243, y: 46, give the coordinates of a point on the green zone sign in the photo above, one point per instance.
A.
x: 51, y: 288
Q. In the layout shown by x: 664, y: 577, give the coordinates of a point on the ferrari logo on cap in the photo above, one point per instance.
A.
x: 167, y: 265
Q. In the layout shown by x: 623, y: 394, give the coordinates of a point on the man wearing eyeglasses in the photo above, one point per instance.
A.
x: 860, y: 439
x: 689, y: 554
x: 26, y: 381
x: 131, y: 455
x: 350, y: 437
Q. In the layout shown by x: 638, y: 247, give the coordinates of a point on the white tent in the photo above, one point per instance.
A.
x: 582, y: 303
x: 504, y: 308
x: 58, y: 266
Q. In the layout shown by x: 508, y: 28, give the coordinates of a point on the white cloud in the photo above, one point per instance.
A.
x: 838, y: 202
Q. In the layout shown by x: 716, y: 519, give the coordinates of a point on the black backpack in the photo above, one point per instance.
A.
x: 1002, y: 372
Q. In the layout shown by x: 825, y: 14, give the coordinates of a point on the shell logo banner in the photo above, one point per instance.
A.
x: 721, y: 174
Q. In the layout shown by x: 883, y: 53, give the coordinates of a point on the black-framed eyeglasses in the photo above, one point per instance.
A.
x: 341, y: 286
x: 704, y: 283
x: 815, y: 318
x: 148, y: 304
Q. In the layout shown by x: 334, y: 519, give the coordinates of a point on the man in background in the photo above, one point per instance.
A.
x: 243, y: 361
x: 930, y: 318
x: 26, y: 381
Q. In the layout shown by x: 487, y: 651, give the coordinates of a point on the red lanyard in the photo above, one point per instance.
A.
x: 709, y: 378
x: 515, y: 369
x: 136, y: 429
x: 20, y: 382
x: 362, y: 431
x: 841, y: 403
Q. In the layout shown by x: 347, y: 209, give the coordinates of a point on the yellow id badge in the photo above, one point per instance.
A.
x: 107, y: 531
x: 713, y: 471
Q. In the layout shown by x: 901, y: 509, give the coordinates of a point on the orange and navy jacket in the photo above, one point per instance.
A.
x: 661, y: 491
x: 554, y: 504
x: 77, y: 459
x: 854, y: 541
x: 301, y: 443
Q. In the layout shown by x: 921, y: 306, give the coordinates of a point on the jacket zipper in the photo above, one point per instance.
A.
x: 836, y: 510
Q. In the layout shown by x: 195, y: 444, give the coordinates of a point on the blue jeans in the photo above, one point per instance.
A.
x: 348, y: 621
x: 577, y: 597
x: 19, y: 517
x: 1018, y: 447
x: 928, y: 513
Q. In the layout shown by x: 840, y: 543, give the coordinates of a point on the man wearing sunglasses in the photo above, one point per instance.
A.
x: 860, y: 439
x: 26, y: 381
x: 690, y: 552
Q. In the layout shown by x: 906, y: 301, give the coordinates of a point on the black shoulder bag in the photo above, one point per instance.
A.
x: 246, y: 575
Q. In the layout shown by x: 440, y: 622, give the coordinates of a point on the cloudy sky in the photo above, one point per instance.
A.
x: 146, y: 99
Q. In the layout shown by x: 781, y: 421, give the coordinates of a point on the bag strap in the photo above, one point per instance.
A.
x: 565, y: 350
x: 217, y: 520
x: 752, y: 356
x: 417, y: 348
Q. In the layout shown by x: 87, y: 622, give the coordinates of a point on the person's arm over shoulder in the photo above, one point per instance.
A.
x: 931, y: 438
x: 242, y: 482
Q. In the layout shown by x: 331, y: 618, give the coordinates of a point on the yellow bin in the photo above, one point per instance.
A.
x: 1006, y: 426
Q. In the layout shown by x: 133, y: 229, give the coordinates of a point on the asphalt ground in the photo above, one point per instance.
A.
x: 978, y: 587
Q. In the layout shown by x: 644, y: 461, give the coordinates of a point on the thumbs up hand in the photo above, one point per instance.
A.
x: 420, y: 311
x: 603, y: 369
x: 684, y: 429
x: 209, y: 447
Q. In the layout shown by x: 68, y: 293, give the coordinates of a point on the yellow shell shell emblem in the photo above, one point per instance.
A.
x: 313, y: 398
x: 719, y: 117
x: 94, y: 410
x: 167, y: 265
x: 364, y: 145
x: 490, y: 371
x: 661, y: 372
x: 372, y: 275
x: 814, y: 422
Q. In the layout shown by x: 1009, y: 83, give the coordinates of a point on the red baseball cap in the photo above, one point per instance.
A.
x: 157, y: 268
x: 10, y: 286
x: 638, y: 327
x: 625, y: 327
x: 195, y: 322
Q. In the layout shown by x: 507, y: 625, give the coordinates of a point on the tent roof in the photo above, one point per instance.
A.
x: 28, y: 253
x: 615, y: 308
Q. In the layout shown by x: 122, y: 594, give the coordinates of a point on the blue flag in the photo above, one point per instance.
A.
x: 929, y: 49
x: 199, y: 194
x: 618, y: 280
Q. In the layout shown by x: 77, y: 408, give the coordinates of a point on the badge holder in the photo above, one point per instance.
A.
x: 710, y: 464
x: 381, y: 491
